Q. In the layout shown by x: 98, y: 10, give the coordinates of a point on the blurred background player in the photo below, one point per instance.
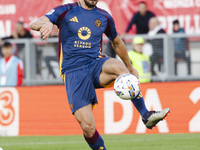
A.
x: 157, y: 43
x: 140, y: 61
x: 11, y: 67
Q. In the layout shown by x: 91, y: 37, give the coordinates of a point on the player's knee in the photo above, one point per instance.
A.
x: 88, y: 128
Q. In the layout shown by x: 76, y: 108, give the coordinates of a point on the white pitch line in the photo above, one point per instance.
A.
x: 78, y: 142
x: 67, y: 142
x: 42, y: 143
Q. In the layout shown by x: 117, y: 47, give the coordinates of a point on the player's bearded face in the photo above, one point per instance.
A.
x: 91, y: 3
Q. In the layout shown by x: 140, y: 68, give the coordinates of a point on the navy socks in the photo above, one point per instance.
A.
x: 138, y: 102
x: 96, y: 142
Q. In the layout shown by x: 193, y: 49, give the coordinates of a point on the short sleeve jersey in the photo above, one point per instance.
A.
x: 80, y: 34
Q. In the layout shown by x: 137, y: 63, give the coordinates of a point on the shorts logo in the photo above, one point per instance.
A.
x: 71, y: 106
x: 84, y: 33
x: 101, y: 148
x: 97, y: 23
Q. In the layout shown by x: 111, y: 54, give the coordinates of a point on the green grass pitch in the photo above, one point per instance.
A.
x: 113, y: 142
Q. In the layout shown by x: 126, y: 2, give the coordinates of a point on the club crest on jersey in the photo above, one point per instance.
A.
x: 97, y: 23
x: 84, y: 33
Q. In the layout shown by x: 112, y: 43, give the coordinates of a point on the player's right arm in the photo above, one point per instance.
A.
x: 43, y: 25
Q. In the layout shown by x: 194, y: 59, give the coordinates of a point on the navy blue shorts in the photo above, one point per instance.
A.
x: 80, y: 84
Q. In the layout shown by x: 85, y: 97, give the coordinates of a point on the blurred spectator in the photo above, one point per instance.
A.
x: 11, y: 67
x: 141, y: 19
x: 19, y: 32
x: 157, y: 44
x: 180, y: 46
x: 140, y: 61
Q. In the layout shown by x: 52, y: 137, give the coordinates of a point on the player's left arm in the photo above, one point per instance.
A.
x: 120, y: 49
x: 119, y: 45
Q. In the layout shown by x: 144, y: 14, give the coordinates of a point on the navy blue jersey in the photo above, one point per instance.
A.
x: 80, y: 34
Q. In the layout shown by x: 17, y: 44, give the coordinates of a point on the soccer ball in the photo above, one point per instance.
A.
x: 126, y: 86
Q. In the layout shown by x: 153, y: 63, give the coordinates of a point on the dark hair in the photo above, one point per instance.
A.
x: 20, y: 22
x: 175, y: 22
x: 143, y: 2
x: 7, y: 44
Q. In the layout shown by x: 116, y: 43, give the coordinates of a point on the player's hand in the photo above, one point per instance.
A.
x: 134, y: 72
x: 46, y: 30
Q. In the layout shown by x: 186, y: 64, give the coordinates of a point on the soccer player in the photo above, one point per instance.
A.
x: 82, y: 67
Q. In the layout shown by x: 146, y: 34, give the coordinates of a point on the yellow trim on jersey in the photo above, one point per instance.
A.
x: 79, y: 3
x: 94, y: 105
x: 64, y: 78
x: 61, y: 60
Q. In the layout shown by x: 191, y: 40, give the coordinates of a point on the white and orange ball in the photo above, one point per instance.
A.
x: 126, y: 86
